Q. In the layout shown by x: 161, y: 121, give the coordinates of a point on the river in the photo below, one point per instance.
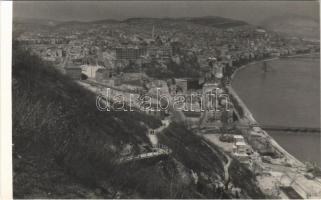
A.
x: 287, y: 93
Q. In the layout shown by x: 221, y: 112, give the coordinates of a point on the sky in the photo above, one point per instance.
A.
x: 253, y: 12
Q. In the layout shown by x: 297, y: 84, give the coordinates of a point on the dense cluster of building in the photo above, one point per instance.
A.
x: 120, y: 46
x: 120, y: 55
x: 116, y: 54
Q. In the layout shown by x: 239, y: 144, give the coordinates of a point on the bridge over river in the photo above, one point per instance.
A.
x: 292, y: 129
x: 289, y: 129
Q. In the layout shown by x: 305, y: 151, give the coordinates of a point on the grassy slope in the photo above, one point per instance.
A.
x: 57, y: 131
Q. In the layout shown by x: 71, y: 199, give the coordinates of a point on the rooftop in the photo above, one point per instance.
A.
x: 238, y: 136
x: 240, y: 144
x: 72, y: 66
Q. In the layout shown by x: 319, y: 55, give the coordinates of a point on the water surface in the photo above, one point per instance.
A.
x: 287, y: 94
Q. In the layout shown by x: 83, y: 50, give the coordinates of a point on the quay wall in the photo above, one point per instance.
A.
x: 242, y: 110
x: 246, y: 117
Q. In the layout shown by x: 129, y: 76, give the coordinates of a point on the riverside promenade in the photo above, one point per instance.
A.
x: 290, y: 172
x: 247, y: 118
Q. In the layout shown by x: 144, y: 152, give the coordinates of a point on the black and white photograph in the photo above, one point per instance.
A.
x: 161, y: 100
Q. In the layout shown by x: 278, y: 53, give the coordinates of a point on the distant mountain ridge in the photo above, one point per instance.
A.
x: 294, y: 25
x: 35, y: 21
x: 219, y: 22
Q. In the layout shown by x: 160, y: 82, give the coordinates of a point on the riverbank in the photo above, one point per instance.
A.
x: 269, y: 59
x: 248, y: 116
x: 291, y: 167
x: 247, y: 120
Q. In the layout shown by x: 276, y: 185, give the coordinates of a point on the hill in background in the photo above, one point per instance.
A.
x: 214, y: 21
x: 218, y: 22
x: 294, y: 25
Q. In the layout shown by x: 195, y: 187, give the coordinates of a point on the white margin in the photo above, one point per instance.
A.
x: 5, y: 101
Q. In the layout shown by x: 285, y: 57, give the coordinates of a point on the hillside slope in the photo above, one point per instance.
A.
x: 63, y: 147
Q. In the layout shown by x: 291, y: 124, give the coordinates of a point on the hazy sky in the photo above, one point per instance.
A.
x: 250, y: 11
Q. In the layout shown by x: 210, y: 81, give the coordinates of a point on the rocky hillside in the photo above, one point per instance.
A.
x: 59, y: 134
